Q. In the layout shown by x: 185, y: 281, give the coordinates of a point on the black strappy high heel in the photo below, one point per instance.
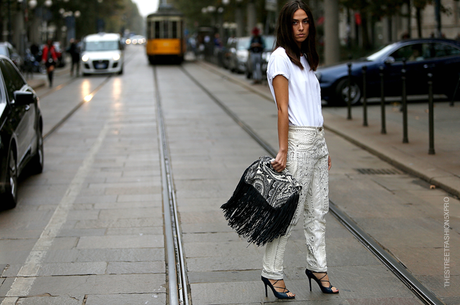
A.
x: 279, y: 295
x: 310, y: 276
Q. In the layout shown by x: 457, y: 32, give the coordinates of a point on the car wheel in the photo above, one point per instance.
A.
x: 11, y: 189
x: 341, y: 91
x: 121, y: 71
x: 38, y: 160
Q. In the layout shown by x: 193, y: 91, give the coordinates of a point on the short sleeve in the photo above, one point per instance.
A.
x: 278, y: 65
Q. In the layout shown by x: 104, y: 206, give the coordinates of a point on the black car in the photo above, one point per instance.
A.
x: 440, y: 57
x: 21, y: 131
x: 9, y: 51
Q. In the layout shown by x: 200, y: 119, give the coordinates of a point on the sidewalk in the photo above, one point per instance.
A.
x: 39, y: 80
x: 440, y: 170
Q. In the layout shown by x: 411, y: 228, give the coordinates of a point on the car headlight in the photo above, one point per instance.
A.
x: 85, y: 58
x: 116, y: 57
x: 242, y: 56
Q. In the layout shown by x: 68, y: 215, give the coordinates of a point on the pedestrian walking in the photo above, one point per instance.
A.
x: 74, y: 52
x: 256, y: 48
x: 49, y: 58
x: 302, y: 146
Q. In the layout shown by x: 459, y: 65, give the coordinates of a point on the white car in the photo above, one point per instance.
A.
x: 102, y: 53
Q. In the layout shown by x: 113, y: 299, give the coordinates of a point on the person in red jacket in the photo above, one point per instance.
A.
x: 49, y: 58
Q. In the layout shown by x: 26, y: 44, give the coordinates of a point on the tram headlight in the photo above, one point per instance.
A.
x: 85, y: 58
x: 116, y: 57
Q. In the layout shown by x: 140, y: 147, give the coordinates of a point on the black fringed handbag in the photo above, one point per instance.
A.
x: 263, y: 203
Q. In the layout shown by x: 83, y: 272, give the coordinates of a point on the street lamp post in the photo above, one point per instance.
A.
x: 239, y: 19
x: 99, y: 21
x: 70, y: 21
x: 44, y: 16
x: 9, y: 21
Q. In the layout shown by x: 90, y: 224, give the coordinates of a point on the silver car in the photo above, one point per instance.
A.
x: 239, y: 54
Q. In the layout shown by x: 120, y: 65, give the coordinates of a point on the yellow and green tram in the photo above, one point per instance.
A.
x: 165, y: 35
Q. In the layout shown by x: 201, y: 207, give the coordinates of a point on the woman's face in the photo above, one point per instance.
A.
x: 300, y: 26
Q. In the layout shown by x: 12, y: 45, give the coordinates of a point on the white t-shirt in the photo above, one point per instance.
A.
x: 304, y: 90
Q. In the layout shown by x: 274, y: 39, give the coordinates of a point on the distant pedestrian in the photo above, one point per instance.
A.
x: 49, y: 58
x: 256, y: 48
x: 34, y: 49
x: 74, y: 52
x: 302, y: 146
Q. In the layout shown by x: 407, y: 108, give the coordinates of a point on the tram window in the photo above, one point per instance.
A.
x: 174, y: 29
x: 166, y: 29
x: 156, y: 31
x: 150, y: 30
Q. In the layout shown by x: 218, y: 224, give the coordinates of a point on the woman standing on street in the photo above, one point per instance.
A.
x: 49, y: 58
x: 302, y: 147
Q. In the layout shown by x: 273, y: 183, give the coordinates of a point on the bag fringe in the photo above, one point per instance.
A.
x: 253, y: 218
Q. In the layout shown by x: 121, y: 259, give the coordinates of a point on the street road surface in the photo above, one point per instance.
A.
x: 91, y: 229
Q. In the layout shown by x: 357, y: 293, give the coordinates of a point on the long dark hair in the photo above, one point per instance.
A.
x: 285, y: 36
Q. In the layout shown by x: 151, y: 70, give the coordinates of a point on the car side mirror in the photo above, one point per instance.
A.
x: 390, y: 60
x: 22, y: 98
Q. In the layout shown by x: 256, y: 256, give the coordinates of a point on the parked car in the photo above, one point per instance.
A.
x: 441, y: 57
x: 269, y: 47
x: 239, y: 54
x: 9, y: 51
x: 21, y: 131
x: 102, y: 53
x: 224, y: 54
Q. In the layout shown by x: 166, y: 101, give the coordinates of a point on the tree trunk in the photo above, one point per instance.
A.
x: 331, y: 32
x: 365, y: 30
x: 419, y: 22
x: 409, y: 19
x: 1, y: 22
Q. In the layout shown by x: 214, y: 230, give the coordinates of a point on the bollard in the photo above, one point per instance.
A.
x: 404, y: 102
x: 382, y: 102
x: 430, y: 114
x: 455, y: 91
x: 349, y: 92
x: 364, y: 68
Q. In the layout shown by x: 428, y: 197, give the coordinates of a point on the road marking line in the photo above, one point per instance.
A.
x: 29, y: 271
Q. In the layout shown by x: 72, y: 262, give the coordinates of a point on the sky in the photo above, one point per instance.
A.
x: 146, y: 6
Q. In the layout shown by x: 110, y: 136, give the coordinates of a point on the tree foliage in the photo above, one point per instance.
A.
x: 117, y: 15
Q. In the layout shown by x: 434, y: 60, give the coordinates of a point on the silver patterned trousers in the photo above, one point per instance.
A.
x: 307, y: 161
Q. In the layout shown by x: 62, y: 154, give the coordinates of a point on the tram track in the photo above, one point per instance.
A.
x: 395, y: 266
x: 176, y: 270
